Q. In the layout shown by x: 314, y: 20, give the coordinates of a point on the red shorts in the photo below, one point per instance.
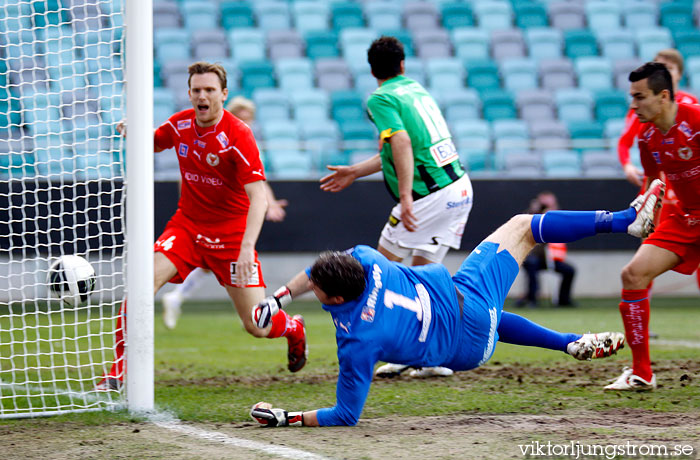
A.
x: 188, y: 246
x: 680, y: 234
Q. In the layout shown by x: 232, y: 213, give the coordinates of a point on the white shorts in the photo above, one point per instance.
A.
x: 441, y: 217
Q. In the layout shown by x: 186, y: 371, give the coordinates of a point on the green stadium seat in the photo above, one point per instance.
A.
x: 580, y: 42
x: 561, y: 163
x: 200, y: 15
x: 587, y: 136
x: 236, y: 14
x: 18, y: 165
x: 347, y: 106
x: 498, y: 105
x: 358, y: 134
x: 676, y: 15
x: 530, y: 14
x: 49, y: 12
x: 347, y: 14
x: 610, y: 104
x: 475, y: 160
x: 256, y: 74
x: 310, y: 16
x: 321, y: 44
x: 482, y: 74
x: 471, y: 43
x: 290, y: 164
x: 456, y: 15
x: 688, y: 42
x: 461, y: 104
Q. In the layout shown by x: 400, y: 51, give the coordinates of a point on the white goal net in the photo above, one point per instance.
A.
x: 61, y: 192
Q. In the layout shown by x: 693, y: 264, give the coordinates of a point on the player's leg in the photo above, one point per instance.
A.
x: 648, y: 262
x: 283, y: 325
x: 567, y: 272
x: 172, y: 301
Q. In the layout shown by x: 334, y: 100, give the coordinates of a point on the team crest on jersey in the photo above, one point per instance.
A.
x: 223, y: 140
x: 367, y: 314
x: 184, y: 124
x: 182, y: 150
x: 200, y: 144
x: 213, y: 159
x: 685, y: 153
x: 657, y: 157
x: 685, y: 129
x: 647, y: 134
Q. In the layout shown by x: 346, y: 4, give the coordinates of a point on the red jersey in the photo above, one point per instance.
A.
x: 631, y: 129
x: 215, y: 163
x: 677, y: 154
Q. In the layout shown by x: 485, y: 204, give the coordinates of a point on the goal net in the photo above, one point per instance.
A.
x: 61, y: 192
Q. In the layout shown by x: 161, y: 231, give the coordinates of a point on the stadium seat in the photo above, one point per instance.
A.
x: 415, y: 70
x: 200, y: 15
x: 610, y: 104
x: 272, y: 15
x: 247, y: 44
x: 509, y: 136
x: 320, y: 137
x: 688, y: 42
x: 548, y: 134
x: 209, y: 44
x: 600, y: 163
x: 544, y: 43
x: 333, y: 74
x: 322, y: 44
x: 432, y: 43
x: 310, y: 16
x: 171, y: 44
x: 471, y: 43
x: 594, y: 73
x: 561, y: 163
x: 621, y: 72
x: 383, y: 15
x: 574, y: 104
x: 493, y: 15
x: 616, y: 44
x: 455, y: 15
x: 692, y: 66
x: 519, y: 74
x: 420, y: 15
x: 294, y: 73
x: 522, y: 164
x: 256, y: 74
x: 475, y: 160
x: 566, y: 15
x: 587, y: 136
x: 641, y: 15
x: 347, y: 14
x: 652, y: 40
x: 347, y: 106
x: 474, y: 128
x: 290, y: 163
x: 236, y: 14
x: 354, y: 44
x: 482, y: 74
x: 580, y: 42
x: 507, y: 43
x: 676, y: 15
x: 613, y: 128
x: 282, y: 44
x: 52, y: 159
x: 535, y: 104
x: 358, y: 134
x: 280, y: 133
x: 530, y: 14
x: 165, y: 15
x: 445, y: 74
x: 46, y: 13
x: 498, y: 105
x: 602, y: 15
x: 460, y: 104
x: 311, y: 104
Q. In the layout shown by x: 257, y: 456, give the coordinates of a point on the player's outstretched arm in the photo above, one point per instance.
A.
x: 270, y: 417
x: 264, y: 311
x: 343, y: 176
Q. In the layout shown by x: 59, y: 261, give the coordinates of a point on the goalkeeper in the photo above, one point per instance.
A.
x: 420, y: 316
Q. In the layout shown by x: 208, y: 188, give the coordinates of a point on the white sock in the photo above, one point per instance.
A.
x: 191, y: 283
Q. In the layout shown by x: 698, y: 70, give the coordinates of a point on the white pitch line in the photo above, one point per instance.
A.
x: 675, y: 343
x: 270, y: 449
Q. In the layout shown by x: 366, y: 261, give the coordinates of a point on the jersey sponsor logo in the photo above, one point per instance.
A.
x: 647, y: 134
x: 459, y: 204
x: 211, y: 243
x: 369, y: 308
x: 223, y: 140
x: 202, y: 179
x: 657, y: 157
x: 184, y: 124
x: 254, y: 275
x: 444, y: 152
x: 685, y: 129
x: 685, y: 153
x: 667, y: 141
x: 200, y: 144
x: 182, y: 150
x: 689, y: 174
x: 212, y: 159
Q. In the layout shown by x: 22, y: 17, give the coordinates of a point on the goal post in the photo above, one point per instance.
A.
x: 65, y: 189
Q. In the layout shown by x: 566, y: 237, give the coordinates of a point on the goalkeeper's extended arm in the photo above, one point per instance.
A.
x: 264, y: 311
x: 270, y: 417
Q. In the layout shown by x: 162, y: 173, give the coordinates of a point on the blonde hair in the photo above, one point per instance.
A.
x: 239, y: 103
x: 202, y: 67
x: 672, y: 55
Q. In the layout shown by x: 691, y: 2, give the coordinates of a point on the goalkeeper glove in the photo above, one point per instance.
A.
x: 265, y: 310
x: 266, y: 416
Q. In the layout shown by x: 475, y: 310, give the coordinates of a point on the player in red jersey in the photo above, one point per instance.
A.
x: 220, y: 213
x: 669, y: 143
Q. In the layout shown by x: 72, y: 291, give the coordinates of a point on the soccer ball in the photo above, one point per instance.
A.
x: 72, y: 279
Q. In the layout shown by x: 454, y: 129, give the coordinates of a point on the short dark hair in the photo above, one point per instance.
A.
x: 338, y: 274
x: 202, y: 67
x: 385, y: 56
x: 657, y: 75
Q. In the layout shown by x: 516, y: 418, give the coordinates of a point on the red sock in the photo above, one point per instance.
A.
x: 282, y: 325
x: 117, y: 369
x: 634, y: 309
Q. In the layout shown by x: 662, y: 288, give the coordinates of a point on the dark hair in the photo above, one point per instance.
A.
x: 657, y: 75
x: 385, y: 56
x: 338, y: 274
x: 201, y: 67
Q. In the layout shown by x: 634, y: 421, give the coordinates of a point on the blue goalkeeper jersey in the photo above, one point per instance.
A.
x: 405, y: 315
